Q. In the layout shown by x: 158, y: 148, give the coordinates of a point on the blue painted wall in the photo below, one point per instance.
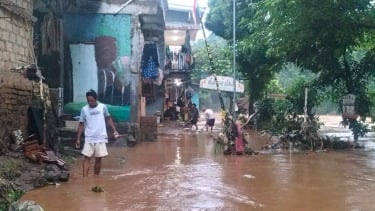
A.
x: 195, y: 99
x: 80, y: 28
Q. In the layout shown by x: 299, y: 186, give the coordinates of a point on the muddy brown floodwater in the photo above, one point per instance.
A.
x: 181, y: 172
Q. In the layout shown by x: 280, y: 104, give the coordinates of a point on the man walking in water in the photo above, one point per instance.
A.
x: 194, y: 115
x: 93, y: 120
x: 210, y: 118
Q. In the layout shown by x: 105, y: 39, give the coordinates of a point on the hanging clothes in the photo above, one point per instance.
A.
x: 150, y: 62
x: 160, y: 78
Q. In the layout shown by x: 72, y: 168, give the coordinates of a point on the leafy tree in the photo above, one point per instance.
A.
x: 296, y: 95
x: 254, y: 63
x: 222, y: 56
x: 220, y: 52
x: 334, y: 39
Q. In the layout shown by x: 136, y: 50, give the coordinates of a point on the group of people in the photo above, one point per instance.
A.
x: 194, y: 116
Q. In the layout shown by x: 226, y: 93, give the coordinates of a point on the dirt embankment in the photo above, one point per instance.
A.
x: 26, y: 174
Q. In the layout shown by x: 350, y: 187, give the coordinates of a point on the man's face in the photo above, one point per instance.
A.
x: 91, y: 101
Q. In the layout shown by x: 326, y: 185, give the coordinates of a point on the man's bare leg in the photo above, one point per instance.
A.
x: 97, y: 165
x: 86, y: 166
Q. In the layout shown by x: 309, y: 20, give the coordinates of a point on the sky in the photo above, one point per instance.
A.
x: 202, y: 3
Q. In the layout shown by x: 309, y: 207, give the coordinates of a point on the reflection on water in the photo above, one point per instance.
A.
x: 183, y: 173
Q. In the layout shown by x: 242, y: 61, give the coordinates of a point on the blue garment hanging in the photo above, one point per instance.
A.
x: 150, y: 71
x: 150, y: 62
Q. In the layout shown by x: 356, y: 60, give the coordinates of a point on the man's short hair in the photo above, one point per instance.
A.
x: 92, y: 93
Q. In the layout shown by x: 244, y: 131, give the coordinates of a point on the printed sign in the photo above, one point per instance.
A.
x: 348, y: 107
x: 225, y: 84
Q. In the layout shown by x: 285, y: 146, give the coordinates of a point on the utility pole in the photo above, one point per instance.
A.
x: 234, y: 59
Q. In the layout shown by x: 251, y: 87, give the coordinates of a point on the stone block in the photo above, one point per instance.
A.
x: 22, y: 51
x: 2, y: 45
x: 6, y: 58
x: 18, y: 38
x: 12, y: 38
x: 13, y: 57
x: 9, y: 26
x: 9, y: 46
x: 24, y: 42
x: 5, y: 35
x: 3, y: 25
x: 15, y: 29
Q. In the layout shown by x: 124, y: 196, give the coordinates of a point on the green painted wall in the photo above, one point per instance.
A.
x: 83, y: 28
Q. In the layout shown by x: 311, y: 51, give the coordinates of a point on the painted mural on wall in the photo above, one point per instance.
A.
x: 111, y: 37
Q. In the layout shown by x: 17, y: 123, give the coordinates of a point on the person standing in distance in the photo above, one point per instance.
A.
x: 210, y: 118
x: 92, y: 120
x: 193, y: 115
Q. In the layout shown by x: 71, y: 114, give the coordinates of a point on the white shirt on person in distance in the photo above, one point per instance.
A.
x: 209, y: 114
x: 95, y: 125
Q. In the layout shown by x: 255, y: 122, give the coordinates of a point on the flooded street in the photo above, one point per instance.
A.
x: 182, y: 172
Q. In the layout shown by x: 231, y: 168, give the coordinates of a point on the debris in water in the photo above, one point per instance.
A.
x: 97, y: 189
x: 249, y: 176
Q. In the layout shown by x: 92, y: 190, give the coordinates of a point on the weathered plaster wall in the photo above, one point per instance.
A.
x: 135, y: 64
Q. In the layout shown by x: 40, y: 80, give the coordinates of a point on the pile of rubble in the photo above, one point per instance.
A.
x: 37, y: 153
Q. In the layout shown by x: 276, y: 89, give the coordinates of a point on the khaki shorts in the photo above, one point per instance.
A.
x: 95, y: 150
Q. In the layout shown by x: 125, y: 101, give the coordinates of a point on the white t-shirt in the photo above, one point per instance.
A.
x: 209, y: 114
x: 94, y: 120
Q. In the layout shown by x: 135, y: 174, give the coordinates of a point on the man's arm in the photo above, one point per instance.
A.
x: 79, y: 133
x: 112, y: 125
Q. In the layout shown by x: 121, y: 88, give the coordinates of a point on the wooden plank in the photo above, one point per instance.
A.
x: 51, y: 156
x: 60, y: 162
x: 26, y: 143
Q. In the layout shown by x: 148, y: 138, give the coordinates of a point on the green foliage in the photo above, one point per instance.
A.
x: 359, y: 129
x: 290, y: 72
x: 8, y: 194
x: 296, y: 96
x: 274, y: 87
x: 371, y: 95
x: 265, y: 113
x: 221, y: 53
x: 332, y: 38
x: 222, y: 56
x: 282, y: 116
x: 284, y: 119
x: 279, y: 117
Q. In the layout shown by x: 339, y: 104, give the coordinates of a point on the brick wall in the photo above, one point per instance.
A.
x: 16, y: 96
x: 15, y: 35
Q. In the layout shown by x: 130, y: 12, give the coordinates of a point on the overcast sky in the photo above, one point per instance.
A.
x: 202, y: 3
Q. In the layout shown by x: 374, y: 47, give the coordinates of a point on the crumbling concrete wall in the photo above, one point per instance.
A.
x: 15, y: 34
